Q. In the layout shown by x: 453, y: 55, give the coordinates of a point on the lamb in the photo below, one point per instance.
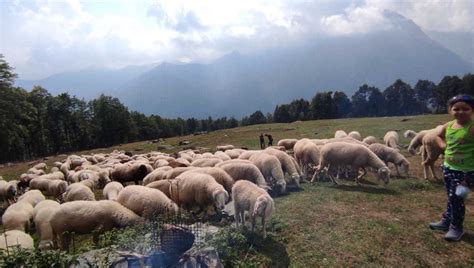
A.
x: 206, y: 162
x: 271, y: 169
x: 430, y: 151
x: 162, y: 185
x: 287, y: 164
x: 78, y: 191
x: 244, y: 171
x: 32, y: 197
x: 340, y: 134
x: 145, y: 201
x: 409, y: 134
x: 307, y: 154
x: 340, y: 154
x: 248, y: 197
x: 390, y: 155
x: 18, y: 217
x: 131, y: 172
x: 104, y: 215
x: 369, y: 140
x: 287, y: 143
x: 197, y: 189
x: 43, y: 213
x: 8, y: 191
x: 391, y: 139
x: 417, y: 141
x: 218, y: 174
x: 225, y: 147
x: 157, y: 174
x: 355, y: 135
x: 111, y: 190
x: 15, y: 238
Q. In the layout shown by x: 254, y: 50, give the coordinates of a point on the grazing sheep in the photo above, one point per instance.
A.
x: 340, y: 134
x: 206, y: 162
x: 32, y: 197
x: 287, y: 164
x: 43, y: 214
x: 233, y: 154
x: 84, y: 217
x: 355, y: 135
x: 131, y: 172
x: 54, y: 188
x: 223, y: 156
x: 24, y: 180
x: 248, y: 197
x: 346, y: 140
x: 57, y: 175
x: 180, y: 162
x: 162, y: 185
x: 409, y: 134
x: 160, y: 163
x: 341, y: 154
x: 95, y: 179
x: 78, y: 191
x: 111, y: 190
x: 225, y: 147
x: 18, y: 217
x: 16, y: 238
x: 244, y: 171
x: 287, y: 143
x: 417, y: 141
x: 8, y: 191
x: 156, y: 175
x: 369, y: 140
x: 42, y: 166
x: 175, y: 172
x: 192, y: 189
x: 65, y: 167
x: 430, y: 151
x: 271, y: 169
x: 219, y: 175
x: 391, y: 139
x: 307, y: 154
x: 145, y: 201
x: 247, y: 154
x: 390, y: 155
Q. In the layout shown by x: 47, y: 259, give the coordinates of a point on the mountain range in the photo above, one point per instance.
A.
x: 239, y: 84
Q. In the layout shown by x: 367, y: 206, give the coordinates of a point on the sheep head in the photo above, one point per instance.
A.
x: 220, y: 198
x: 404, y: 166
x: 12, y: 190
x: 383, y: 174
x: 260, y: 205
x: 281, y: 187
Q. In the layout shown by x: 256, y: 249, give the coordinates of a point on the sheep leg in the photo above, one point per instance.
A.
x: 264, y: 228
x: 433, y: 170
x: 65, y: 239
x: 361, y: 175
x: 236, y: 215
x: 425, y: 171
x: 253, y: 219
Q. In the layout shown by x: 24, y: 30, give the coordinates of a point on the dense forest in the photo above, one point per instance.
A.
x: 35, y: 124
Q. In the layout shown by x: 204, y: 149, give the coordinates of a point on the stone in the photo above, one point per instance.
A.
x: 206, y: 257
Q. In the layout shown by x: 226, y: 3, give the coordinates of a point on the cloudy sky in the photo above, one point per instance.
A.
x: 43, y: 37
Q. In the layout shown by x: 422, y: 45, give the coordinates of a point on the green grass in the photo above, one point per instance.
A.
x: 344, y: 225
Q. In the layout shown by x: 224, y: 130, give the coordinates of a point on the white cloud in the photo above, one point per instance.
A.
x: 42, y: 37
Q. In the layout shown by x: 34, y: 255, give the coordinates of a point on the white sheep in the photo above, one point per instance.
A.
x: 341, y: 154
x: 409, y: 134
x: 162, y: 185
x: 390, y: 155
x: 160, y: 163
x: 18, y: 217
x: 223, y: 156
x: 192, y: 189
x: 248, y: 197
x: 84, y: 217
x: 42, y: 166
x: 32, y: 197
x: 16, y: 238
x: 369, y: 140
x: 287, y: 143
x: 355, y: 135
x: 206, y: 162
x: 247, y: 154
x: 156, y: 175
x: 391, y: 139
x: 340, y: 134
x: 54, y: 188
x: 431, y: 151
x: 43, y: 213
x: 175, y: 172
x: 145, y: 201
x: 8, y: 191
x: 287, y: 164
x: 57, y: 175
x: 225, y: 147
x: 271, y: 169
x: 78, y: 191
x: 111, y: 190
x: 244, y: 171
x: 218, y: 174
x: 233, y: 153
x: 307, y: 154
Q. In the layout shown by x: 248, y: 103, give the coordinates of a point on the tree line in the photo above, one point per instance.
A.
x: 36, y: 123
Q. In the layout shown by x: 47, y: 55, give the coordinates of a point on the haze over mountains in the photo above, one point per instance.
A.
x: 239, y: 84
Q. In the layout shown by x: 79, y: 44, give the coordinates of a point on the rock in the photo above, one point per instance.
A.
x: 206, y: 257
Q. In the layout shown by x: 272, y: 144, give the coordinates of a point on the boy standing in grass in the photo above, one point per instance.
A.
x: 457, y: 138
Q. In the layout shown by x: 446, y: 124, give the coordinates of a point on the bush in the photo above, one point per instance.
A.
x: 18, y: 257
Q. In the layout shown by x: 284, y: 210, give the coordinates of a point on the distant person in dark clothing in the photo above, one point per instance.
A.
x: 262, y: 141
x: 270, y: 140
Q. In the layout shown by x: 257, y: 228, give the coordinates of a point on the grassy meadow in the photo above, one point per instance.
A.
x: 346, y: 224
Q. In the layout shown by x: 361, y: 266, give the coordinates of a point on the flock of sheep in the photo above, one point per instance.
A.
x: 188, y: 180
